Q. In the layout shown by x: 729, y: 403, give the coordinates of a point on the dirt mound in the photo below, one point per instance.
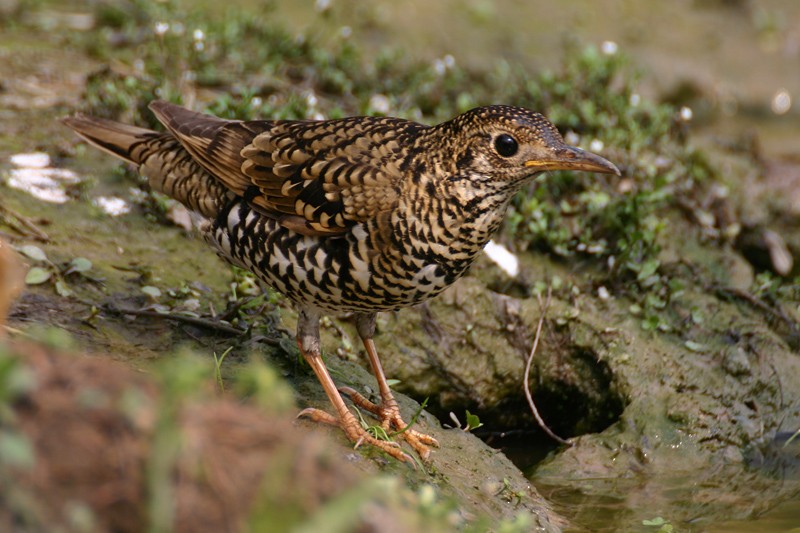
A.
x: 102, y: 450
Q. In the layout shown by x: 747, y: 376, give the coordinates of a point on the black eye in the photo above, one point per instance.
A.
x: 506, y: 145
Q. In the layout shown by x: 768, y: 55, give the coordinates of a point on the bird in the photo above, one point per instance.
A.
x: 360, y: 214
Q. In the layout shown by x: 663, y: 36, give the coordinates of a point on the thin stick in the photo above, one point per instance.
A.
x: 38, y: 234
x: 526, y: 383
x: 14, y: 331
x: 753, y: 300
x: 195, y: 321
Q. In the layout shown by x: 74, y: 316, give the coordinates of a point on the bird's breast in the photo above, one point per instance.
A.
x: 371, y: 268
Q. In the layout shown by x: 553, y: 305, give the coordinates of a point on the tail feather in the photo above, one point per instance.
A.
x: 180, y: 120
x: 168, y: 167
x: 117, y: 139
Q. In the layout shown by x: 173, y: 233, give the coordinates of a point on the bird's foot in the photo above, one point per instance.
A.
x: 389, y: 415
x: 357, y: 434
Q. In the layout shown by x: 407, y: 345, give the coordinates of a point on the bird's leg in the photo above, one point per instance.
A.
x: 308, y: 342
x: 388, y: 411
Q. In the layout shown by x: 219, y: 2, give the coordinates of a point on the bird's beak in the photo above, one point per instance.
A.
x: 565, y: 157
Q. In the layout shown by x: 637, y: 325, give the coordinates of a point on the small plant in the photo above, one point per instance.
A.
x: 663, y: 525
x: 218, y: 368
x: 510, y: 494
x: 375, y: 430
x: 772, y: 287
x: 594, y: 99
x: 46, y: 271
x: 473, y: 422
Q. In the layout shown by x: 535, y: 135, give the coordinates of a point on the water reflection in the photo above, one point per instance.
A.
x: 722, y: 498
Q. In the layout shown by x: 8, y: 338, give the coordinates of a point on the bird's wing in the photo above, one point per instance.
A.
x: 316, y: 177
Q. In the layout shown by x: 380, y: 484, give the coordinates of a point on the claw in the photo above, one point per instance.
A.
x: 389, y: 416
x: 388, y: 412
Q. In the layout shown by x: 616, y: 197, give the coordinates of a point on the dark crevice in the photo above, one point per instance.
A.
x: 575, y: 394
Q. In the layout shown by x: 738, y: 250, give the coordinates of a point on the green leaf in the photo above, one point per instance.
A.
x: 473, y: 422
x: 16, y: 450
x: 63, y: 289
x: 648, y: 269
x: 152, y: 292
x: 80, y: 264
x: 695, y: 346
x: 33, y: 252
x: 655, y: 302
x: 16, y: 379
x: 657, y: 521
x: 37, y: 276
x: 650, y: 323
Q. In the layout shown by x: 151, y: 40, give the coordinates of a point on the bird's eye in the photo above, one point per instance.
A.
x: 506, y: 145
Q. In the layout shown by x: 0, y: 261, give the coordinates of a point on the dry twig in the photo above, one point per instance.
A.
x: 543, y: 307
x: 22, y: 225
x: 195, y: 321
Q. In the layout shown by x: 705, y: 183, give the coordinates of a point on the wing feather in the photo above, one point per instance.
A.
x: 316, y: 177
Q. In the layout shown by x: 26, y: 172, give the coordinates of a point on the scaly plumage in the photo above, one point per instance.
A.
x: 361, y: 214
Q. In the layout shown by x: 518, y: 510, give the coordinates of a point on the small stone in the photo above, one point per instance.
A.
x: 491, y: 488
x: 31, y: 160
x: 112, y: 205
x: 735, y: 361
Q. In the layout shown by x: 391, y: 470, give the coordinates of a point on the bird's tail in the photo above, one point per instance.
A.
x: 119, y: 140
x: 160, y: 158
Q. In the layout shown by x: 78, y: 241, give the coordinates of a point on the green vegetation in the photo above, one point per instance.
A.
x: 663, y: 525
x: 44, y: 270
x: 472, y: 421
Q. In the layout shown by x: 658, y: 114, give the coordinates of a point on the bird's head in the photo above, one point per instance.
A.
x: 510, y: 144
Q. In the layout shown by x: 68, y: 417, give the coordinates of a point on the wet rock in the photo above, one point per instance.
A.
x: 735, y: 361
x: 766, y: 250
x: 463, y: 468
x: 639, y: 404
x: 468, y: 349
